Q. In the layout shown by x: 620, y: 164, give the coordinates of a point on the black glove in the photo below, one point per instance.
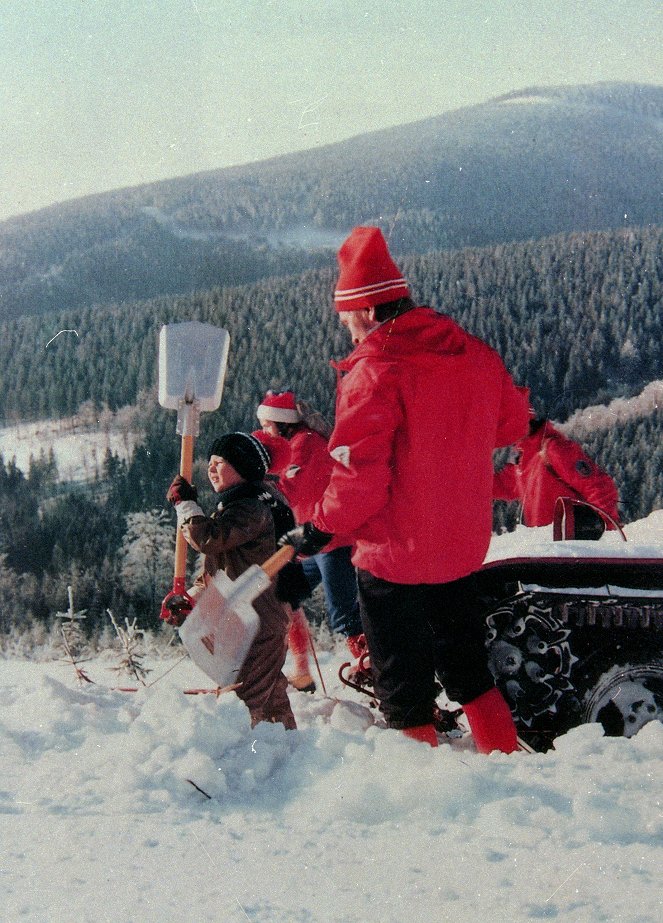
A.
x: 175, y: 609
x: 291, y: 585
x: 180, y: 490
x: 306, y: 539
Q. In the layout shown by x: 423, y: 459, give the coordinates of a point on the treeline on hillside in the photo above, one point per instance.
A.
x: 577, y: 318
x: 112, y: 540
x: 111, y: 270
x: 632, y: 451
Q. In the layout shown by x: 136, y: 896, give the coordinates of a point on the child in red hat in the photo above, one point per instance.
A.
x: 296, y: 438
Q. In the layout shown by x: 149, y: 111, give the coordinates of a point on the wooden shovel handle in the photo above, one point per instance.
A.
x: 278, y: 560
x: 186, y: 470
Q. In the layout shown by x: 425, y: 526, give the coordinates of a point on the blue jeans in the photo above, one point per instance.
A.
x: 339, y: 582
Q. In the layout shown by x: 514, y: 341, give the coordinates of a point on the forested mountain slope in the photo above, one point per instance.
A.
x: 527, y: 165
x: 578, y: 318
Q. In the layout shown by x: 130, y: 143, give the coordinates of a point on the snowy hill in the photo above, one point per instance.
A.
x: 78, y: 448
x: 338, y: 822
x: 536, y: 162
x: 154, y: 805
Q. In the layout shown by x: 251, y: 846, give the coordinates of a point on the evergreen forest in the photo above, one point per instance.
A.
x: 577, y: 318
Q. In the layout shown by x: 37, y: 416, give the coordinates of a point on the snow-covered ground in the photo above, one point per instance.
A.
x: 79, y: 451
x: 341, y: 821
x: 120, y: 807
x: 641, y: 539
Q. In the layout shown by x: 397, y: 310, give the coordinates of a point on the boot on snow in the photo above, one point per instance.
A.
x: 491, y: 723
x: 357, y: 645
x: 425, y: 733
x: 299, y: 642
x: 302, y: 682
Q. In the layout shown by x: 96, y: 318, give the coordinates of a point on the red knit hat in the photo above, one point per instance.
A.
x: 368, y: 276
x: 279, y: 407
x: 278, y: 449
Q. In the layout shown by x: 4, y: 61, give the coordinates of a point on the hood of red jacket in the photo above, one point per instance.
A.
x: 417, y: 334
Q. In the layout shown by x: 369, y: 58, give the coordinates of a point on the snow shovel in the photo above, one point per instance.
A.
x: 221, y: 628
x: 192, y: 368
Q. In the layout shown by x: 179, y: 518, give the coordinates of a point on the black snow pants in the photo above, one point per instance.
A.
x: 416, y: 632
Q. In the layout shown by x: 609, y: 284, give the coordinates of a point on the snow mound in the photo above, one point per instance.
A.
x: 157, y: 805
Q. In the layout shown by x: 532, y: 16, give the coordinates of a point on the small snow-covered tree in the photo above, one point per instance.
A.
x: 147, y: 556
x: 73, y: 641
x: 132, y: 649
x: 8, y: 584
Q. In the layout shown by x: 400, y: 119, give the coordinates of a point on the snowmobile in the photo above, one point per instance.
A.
x: 574, y: 632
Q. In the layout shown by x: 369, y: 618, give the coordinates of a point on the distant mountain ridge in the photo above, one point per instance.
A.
x: 529, y: 164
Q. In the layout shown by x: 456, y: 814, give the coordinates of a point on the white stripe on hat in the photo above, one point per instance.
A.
x: 262, y: 451
x: 347, y: 294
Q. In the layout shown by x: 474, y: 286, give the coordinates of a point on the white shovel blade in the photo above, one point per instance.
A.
x: 192, y: 364
x: 219, y: 633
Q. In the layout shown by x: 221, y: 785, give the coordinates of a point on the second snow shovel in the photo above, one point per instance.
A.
x: 223, y: 624
x: 192, y: 368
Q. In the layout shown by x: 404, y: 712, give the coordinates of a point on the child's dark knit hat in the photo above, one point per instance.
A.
x: 244, y: 452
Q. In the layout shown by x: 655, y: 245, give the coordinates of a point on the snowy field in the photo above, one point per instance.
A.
x: 342, y: 821
x: 120, y: 807
x: 79, y: 452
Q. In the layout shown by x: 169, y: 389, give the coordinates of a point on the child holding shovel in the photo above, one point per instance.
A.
x: 238, y: 534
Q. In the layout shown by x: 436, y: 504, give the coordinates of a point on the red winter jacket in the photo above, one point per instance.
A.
x: 419, y: 413
x: 551, y: 466
x: 304, y: 466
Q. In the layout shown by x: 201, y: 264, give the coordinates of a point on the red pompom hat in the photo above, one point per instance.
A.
x: 368, y: 276
x: 279, y: 407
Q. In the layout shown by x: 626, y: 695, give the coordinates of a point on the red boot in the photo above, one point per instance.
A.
x: 298, y: 642
x: 357, y: 645
x: 491, y: 723
x: 422, y: 732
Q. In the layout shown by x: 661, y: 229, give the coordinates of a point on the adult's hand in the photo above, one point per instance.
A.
x: 306, y: 539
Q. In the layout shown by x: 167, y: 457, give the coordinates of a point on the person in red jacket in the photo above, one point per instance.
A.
x: 298, y: 447
x: 546, y: 465
x: 421, y: 406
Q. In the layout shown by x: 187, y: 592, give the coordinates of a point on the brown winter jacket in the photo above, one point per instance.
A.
x: 240, y: 533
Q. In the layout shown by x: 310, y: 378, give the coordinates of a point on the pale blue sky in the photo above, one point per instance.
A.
x: 99, y: 94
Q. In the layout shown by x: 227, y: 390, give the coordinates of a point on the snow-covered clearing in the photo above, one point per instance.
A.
x: 619, y: 410
x: 80, y: 443
x: 341, y: 821
x: 79, y: 448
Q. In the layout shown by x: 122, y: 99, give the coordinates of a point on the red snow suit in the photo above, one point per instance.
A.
x: 304, y: 467
x: 418, y: 415
x: 551, y: 466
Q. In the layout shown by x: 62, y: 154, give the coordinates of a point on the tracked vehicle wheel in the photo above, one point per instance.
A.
x: 625, y: 698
